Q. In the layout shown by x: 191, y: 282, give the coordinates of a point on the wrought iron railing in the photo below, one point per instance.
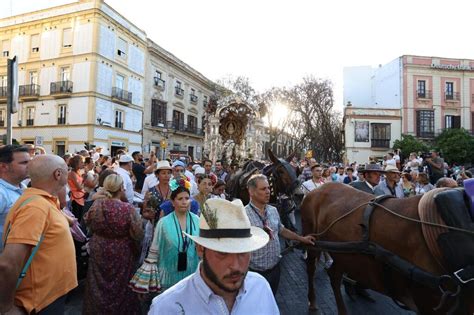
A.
x: 61, y: 87
x: 122, y: 95
x: 380, y: 143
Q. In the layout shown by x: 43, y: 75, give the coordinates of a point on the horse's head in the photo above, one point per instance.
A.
x: 283, y: 174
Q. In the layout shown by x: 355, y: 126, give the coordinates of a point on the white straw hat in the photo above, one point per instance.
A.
x: 163, y: 165
x: 225, y: 227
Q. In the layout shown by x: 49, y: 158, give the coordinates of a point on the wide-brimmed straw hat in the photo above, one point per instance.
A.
x: 225, y: 227
x: 372, y: 167
x: 391, y: 169
x: 163, y: 165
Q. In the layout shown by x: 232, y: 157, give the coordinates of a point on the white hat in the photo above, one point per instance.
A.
x: 195, y: 166
x: 163, y: 165
x: 225, y: 227
x: 124, y: 158
x: 199, y: 170
x: 391, y: 169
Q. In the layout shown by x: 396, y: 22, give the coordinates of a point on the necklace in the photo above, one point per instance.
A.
x: 165, y: 197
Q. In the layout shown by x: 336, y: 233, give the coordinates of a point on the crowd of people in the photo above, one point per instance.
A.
x: 146, y: 226
x: 156, y: 229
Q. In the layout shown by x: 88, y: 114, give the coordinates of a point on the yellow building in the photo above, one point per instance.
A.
x: 81, y: 76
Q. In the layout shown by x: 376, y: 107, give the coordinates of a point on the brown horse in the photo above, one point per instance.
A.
x: 404, y: 238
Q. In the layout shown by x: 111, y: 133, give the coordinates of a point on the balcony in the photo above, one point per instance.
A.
x: 424, y: 94
x: 30, y: 122
x: 119, y: 124
x: 159, y: 83
x: 425, y: 134
x: 61, y: 89
x: 3, y: 94
x: 178, y: 91
x: 121, y: 96
x: 380, y: 143
x: 193, y: 98
x: 61, y: 120
x: 29, y: 92
x: 176, y: 126
x: 452, y: 97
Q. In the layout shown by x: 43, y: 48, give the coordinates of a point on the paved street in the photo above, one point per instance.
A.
x: 291, y: 296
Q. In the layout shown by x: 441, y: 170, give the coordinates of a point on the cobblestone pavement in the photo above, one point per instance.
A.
x: 292, y: 293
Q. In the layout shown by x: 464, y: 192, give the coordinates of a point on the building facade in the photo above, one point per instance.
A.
x: 370, y: 132
x: 432, y: 93
x: 81, y: 74
x: 176, y: 97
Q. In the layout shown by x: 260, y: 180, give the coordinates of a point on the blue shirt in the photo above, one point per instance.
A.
x: 167, y: 207
x: 8, y: 196
x: 193, y: 296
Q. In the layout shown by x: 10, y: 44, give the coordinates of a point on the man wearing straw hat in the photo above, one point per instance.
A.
x: 222, y: 282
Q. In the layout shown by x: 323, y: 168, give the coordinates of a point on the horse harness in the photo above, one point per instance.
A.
x: 449, y: 285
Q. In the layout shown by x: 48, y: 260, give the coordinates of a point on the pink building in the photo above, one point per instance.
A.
x: 433, y: 93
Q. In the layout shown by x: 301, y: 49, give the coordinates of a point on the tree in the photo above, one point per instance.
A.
x: 320, y: 126
x: 409, y: 144
x: 456, y: 145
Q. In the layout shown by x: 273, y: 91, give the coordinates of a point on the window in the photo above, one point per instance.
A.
x: 452, y: 122
x: 33, y: 77
x: 30, y: 116
x: 35, y: 43
x: 67, y: 37
x: 449, y: 90
x: 60, y: 148
x: 121, y: 47
x: 178, y: 120
x: 2, y: 117
x: 192, y: 97
x: 5, y: 48
x: 178, y: 89
x: 119, y: 119
x: 421, y: 88
x: 64, y: 74
x: 61, y: 114
x: 381, y: 135
x: 204, y: 100
x: 192, y: 124
x: 158, y: 80
x: 119, y: 81
x: 158, y: 113
x: 3, y: 85
x: 425, y: 123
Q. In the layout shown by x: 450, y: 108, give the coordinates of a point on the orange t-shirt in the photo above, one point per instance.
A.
x: 52, y: 272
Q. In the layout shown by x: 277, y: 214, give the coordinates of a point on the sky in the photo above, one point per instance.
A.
x: 278, y: 42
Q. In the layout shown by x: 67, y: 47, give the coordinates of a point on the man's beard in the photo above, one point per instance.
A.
x: 214, y: 279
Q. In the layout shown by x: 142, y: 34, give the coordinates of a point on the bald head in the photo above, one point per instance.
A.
x: 42, y: 167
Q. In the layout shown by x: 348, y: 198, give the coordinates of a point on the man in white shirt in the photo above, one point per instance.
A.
x: 316, y: 181
x: 222, y: 283
x: 124, y: 170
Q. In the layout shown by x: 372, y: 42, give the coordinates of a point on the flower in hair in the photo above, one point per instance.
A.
x: 180, y: 181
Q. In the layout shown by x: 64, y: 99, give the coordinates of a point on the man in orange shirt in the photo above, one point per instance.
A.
x: 36, y: 218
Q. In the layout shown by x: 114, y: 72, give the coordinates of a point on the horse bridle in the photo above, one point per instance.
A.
x: 271, y: 172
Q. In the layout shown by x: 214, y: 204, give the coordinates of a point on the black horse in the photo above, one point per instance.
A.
x: 281, y: 178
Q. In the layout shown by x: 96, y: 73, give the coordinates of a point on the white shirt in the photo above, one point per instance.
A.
x: 127, y: 183
x: 192, y: 296
x: 391, y: 162
x: 150, y: 181
x: 310, y: 185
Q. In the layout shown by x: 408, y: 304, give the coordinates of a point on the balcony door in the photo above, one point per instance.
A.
x: 452, y: 122
x: 381, y: 135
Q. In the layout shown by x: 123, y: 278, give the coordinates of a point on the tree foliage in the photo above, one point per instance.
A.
x: 456, y: 145
x: 409, y: 144
x: 319, y: 125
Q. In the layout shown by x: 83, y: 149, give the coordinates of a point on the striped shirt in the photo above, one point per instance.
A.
x: 268, y: 256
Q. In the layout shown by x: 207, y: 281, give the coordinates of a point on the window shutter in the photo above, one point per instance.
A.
x: 35, y: 43
x: 67, y: 37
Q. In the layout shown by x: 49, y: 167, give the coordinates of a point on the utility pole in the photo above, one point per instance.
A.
x: 12, y: 95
